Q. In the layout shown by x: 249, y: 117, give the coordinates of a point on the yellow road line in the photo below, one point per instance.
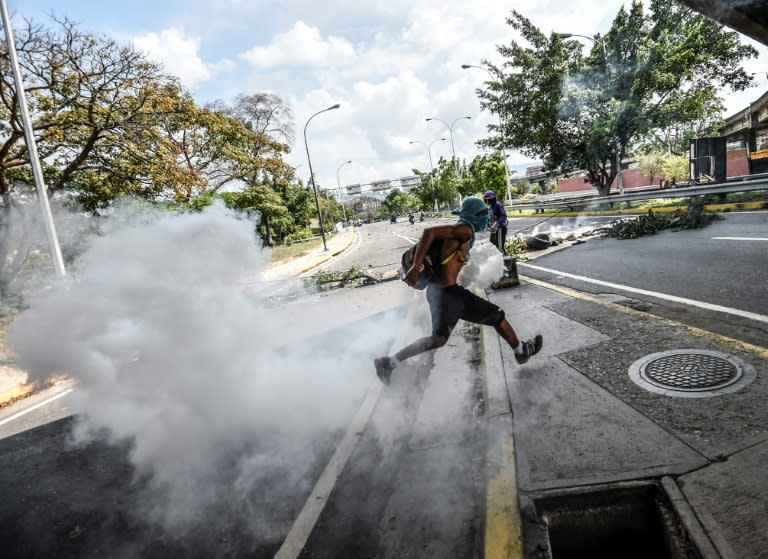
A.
x: 503, y: 525
x: 706, y: 334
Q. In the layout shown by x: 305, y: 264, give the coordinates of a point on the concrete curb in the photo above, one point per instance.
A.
x: 503, y: 535
x: 13, y: 395
x: 330, y: 255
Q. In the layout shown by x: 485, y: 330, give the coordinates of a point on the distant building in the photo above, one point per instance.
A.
x: 536, y: 176
x: 534, y: 171
x: 381, y: 185
x: 406, y: 183
x: 746, y: 139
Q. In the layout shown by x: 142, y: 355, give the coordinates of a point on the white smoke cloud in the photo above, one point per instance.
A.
x: 213, y: 392
x: 485, y: 266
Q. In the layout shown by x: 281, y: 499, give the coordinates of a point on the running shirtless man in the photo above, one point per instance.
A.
x: 448, y: 301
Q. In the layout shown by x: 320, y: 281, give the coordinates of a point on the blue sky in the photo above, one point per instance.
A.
x: 389, y: 63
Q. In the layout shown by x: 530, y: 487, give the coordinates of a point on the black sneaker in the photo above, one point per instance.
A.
x: 530, y: 347
x: 384, y: 367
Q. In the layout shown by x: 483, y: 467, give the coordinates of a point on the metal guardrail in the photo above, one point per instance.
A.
x: 643, y: 193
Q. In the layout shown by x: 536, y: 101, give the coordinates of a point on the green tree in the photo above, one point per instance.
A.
x: 676, y: 167
x: 448, y: 183
x: 650, y: 72
x: 398, y: 202
x: 676, y: 137
x: 651, y: 164
x: 91, y: 102
x: 426, y: 192
x: 521, y: 187
x: 275, y: 219
x: 485, y: 172
x: 299, y: 200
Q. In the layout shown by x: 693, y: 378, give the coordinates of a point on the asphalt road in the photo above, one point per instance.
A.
x: 413, y: 485
x: 382, y: 243
x: 423, y: 443
x: 722, y: 264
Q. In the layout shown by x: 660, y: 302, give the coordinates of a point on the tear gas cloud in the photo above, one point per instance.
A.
x: 568, y: 227
x: 207, y: 383
x: 485, y: 266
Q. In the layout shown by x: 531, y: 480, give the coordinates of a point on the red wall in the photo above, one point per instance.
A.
x: 631, y: 177
x: 736, y: 163
x: 573, y: 184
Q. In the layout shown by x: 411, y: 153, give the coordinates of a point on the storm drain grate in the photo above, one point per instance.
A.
x: 691, y: 373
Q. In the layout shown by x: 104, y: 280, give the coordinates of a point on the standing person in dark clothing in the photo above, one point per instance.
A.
x: 448, y: 247
x: 498, y: 221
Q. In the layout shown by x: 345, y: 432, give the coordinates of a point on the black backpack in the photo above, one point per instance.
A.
x: 432, y: 264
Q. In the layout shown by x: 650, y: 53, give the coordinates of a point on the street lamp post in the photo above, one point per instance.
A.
x: 34, y: 158
x: 569, y: 35
x: 450, y: 131
x: 338, y: 186
x: 501, y: 127
x: 431, y: 169
x: 312, y: 174
x: 601, y: 42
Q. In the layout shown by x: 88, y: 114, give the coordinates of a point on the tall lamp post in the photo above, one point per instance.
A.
x: 338, y: 186
x: 312, y: 174
x: 501, y: 127
x: 34, y: 158
x: 431, y: 169
x: 450, y: 131
x: 601, y: 42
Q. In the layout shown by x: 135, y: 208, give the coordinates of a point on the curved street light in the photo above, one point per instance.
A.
x: 338, y: 186
x: 501, y: 128
x: 601, y: 42
x: 450, y: 130
x: 431, y: 169
x: 312, y: 174
x: 596, y: 41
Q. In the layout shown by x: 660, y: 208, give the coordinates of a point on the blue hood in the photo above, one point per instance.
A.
x: 470, y: 207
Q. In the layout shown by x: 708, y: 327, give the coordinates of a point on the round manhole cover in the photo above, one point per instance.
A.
x: 691, y: 373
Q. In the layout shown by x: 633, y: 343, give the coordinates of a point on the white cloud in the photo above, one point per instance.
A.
x: 389, y: 63
x: 179, y: 55
x: 302, y: 44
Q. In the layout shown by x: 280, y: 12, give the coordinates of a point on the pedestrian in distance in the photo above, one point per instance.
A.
x: 446, y: 248
x: 498, y: 221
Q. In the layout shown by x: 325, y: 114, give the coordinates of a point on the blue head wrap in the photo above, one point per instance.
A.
x: 475, y: 214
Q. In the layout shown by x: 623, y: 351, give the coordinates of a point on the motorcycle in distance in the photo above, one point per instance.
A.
x: 393, y: 218
x: 410, y: 218
x: 421, y: 217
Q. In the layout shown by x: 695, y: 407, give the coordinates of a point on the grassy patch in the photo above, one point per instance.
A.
x: 286, y: 252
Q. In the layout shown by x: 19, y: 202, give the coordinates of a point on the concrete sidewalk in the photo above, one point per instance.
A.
x: 336, y: 244
x: 580, y: 426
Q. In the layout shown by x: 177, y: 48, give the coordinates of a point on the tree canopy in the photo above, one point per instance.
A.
x: 109, y: 123
x: 651, y: 73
